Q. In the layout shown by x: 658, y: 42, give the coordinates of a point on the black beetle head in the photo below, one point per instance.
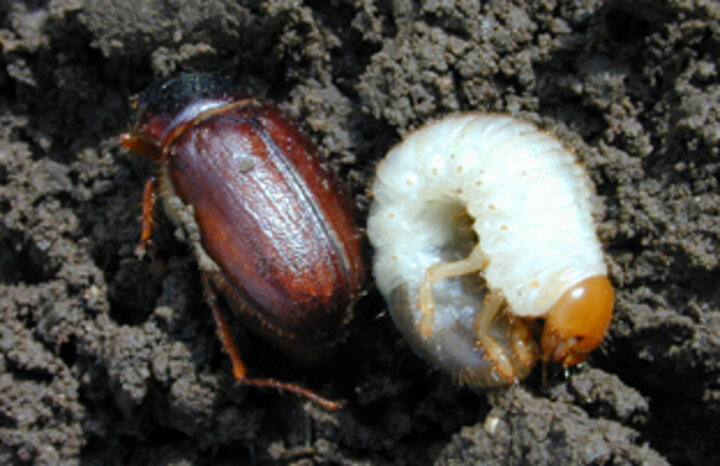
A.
x: 171, y: 102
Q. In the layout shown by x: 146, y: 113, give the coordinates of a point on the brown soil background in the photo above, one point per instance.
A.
x: 107, y: 359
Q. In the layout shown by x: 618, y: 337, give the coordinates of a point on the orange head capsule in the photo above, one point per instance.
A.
x: 578, y: 321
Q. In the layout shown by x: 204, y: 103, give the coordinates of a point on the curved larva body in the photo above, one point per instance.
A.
x: 529, y: 206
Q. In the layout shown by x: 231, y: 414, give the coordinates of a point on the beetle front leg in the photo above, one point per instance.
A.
x: 146, y: 218
x: 238, y: 367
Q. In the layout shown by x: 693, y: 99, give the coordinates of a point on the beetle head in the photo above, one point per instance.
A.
x: 170, y: 103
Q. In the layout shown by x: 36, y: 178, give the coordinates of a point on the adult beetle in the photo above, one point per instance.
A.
x: 274, y: 233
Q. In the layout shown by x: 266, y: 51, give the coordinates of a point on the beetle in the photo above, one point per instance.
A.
x: 481, y: 224
x: 273, y: 232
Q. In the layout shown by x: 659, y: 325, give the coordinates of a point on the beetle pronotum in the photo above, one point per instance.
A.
x: 481, y: 223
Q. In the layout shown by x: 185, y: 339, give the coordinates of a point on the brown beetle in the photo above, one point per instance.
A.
x: 275, y: 235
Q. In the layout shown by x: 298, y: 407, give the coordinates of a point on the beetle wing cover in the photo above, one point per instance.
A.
x: 261, y: 222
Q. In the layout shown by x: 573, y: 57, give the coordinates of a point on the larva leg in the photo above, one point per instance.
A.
x: 523, y: 345
x: 495, y: 352
x: 239, y: 371
x: 523, y: 349
x: 473, y: 263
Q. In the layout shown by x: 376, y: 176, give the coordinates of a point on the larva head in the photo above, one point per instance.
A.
x: 578, y: 321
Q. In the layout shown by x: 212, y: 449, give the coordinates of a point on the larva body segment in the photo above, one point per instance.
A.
x: 510, y: 210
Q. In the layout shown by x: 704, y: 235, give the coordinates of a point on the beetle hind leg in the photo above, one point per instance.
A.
x: 223, y: 331
x: 238, y: 367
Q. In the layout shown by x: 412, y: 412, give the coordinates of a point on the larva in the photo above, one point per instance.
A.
x: 480, y: 224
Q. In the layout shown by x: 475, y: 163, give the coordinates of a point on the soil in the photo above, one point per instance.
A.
x: 112, y: 359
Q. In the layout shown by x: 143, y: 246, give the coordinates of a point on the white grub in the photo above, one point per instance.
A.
x: 510, y: 209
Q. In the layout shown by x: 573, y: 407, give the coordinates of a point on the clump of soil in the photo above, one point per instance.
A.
x: 108, y: 359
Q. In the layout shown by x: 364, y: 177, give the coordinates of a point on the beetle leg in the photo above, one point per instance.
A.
x: 136, y: 142
x: 146, y: 218
x: 239, y: 370
x: 223, y: 331
x: 474, y: 262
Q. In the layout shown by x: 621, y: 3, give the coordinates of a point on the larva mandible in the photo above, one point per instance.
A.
x: 481, y: 223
